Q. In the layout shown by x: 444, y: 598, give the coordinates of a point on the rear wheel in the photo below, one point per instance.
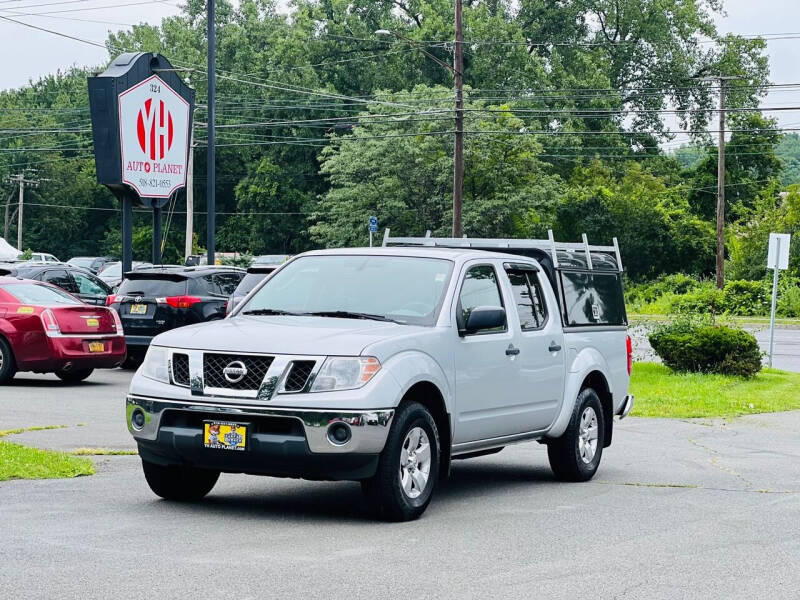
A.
x: 575, y: 456
x: 408, y: 467
x: 183, y: 484
x: 74, y: 375
x: 8, y: 366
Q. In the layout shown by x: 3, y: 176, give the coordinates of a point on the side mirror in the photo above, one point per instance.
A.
x: 484, y: 317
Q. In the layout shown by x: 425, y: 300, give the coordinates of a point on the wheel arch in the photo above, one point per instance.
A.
x: 430, y: 396
x: 598, y: 382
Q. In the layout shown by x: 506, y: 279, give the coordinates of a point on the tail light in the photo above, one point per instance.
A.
x: 179, y: 301
x: 117, y: 322
x: 111, y: 299
x: 629, y: 350
x: 49, y: 322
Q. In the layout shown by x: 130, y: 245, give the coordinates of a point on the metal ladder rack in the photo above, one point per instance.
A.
x: 549, y: 245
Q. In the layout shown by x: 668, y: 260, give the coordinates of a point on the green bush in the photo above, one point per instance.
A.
x: 789, y: 302
x: 696, y: 346
x: 747, y: 298
x: 705, y: 299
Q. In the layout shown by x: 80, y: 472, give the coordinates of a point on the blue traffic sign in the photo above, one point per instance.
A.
x: 373, y: 224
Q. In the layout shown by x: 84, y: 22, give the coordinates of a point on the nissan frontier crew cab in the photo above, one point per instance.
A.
x: 382, y: 365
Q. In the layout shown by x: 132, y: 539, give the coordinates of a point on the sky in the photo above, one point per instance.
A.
x: 29, y: 53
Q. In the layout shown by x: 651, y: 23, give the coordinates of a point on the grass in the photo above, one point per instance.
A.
x: 22, y: 462
x: 101, y: 452
x: 663, y: 393
x: 5, y: 432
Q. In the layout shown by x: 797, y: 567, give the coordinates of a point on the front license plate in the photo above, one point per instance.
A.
x: 138, y: 309
x: 223, y: 435
x: 97, y: 346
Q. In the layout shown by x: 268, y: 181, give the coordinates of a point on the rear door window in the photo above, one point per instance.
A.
x: 60, y: 278
x: 227, y: 282
x: 88, y: 285
x: 529, y: 298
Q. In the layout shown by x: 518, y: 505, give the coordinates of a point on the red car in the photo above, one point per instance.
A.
x: 47, y: 330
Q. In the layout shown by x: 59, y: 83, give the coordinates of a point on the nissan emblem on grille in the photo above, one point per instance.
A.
x: 235, y: 371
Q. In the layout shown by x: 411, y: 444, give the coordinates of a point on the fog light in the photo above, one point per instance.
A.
x: 137, y: 418
x: 339, y: 434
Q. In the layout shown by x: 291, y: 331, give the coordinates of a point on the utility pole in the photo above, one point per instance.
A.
x: 720, y: 212
x: 458, y: 154
x: 721, y: 189
x: 189, y: 198
x: 22, y: 181
x: 210, y: 150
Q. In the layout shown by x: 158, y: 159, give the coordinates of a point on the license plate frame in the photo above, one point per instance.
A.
x: 138, y: 309
x: 97, y: 347
x: 224, y: 437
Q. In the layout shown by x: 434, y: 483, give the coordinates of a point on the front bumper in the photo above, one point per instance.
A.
x: 284, y: 441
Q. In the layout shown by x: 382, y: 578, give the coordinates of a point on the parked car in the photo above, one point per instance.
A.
x: 78, y: 282
x: 91, y: 263
x: 41, y: 257
x: 382, y: 365
x: 111, y: 273
x: 274, y: 260
x: 46, y: 330
x: 255, y: 275
x: 157, y: 299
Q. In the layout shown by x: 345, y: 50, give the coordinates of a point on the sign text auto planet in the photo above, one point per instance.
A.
x: 154, y: 135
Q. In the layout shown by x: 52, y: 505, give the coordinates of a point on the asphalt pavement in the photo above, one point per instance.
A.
x: 679, y: 509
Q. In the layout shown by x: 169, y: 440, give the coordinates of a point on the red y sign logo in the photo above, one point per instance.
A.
x: 154, y: 129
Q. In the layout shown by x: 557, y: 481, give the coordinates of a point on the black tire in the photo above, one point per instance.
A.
x: 74, y: 375
x: 182, y: 484
x: 385, y: 491
x: 132, y: 361
x: 565, y: 453
x: 8, y: 365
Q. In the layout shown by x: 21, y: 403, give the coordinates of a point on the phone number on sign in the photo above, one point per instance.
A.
x: 155, y: 183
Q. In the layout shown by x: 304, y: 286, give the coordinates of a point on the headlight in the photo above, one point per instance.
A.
x: 156, y: 364
x: 345, y: 373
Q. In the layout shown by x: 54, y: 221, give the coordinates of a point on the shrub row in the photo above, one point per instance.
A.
x: 684, y: 294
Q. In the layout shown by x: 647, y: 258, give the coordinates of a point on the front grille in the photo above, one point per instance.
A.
x: 180, y: 369
x: 214, y: 364
x: 298, y: 375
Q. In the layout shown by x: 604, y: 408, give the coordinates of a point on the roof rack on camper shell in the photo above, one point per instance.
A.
x: 564, y: 255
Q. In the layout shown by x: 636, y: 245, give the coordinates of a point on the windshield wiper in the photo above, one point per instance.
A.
x: 271, y: 311
x: 346, y: 314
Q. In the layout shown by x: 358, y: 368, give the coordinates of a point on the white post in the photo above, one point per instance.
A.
x: 370, y: 238
x: 774, y: 300
x: 19, y: 213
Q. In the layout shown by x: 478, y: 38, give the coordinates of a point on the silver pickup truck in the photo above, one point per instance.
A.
x: 382, y: 365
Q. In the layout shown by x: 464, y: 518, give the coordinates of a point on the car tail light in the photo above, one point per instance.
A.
x: 629, y: 350
x: 179, y: 301
x: 111, y: 299
x: 49, y: 322
x: 117, y: 322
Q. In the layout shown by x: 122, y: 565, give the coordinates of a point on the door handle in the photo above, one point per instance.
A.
x: 554, y: 347
x: 511, y: 350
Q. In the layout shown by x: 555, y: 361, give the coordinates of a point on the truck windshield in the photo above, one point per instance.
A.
x: 399, y: 288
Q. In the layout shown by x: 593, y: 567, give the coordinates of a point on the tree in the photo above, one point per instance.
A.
x: 401, y: 171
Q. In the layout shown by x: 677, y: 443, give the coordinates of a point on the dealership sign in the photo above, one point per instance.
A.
x: 154, y: 124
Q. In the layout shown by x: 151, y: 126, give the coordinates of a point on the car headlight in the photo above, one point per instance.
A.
x: 156, y: 364
x: 345, y: 373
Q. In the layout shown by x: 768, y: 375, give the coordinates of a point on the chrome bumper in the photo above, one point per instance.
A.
x: 626, y: 407
x: 369, y: 429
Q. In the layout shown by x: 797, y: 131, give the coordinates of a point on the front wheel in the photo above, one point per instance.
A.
x: 8, y: 367
x: 73, y: 375
x: 408, y: 467
x: 183, y: 484
x: 575, y: 456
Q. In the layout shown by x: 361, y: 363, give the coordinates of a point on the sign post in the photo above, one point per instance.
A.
x: 777, y: 260
x: 141, y: 122
x: 373, y: 227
